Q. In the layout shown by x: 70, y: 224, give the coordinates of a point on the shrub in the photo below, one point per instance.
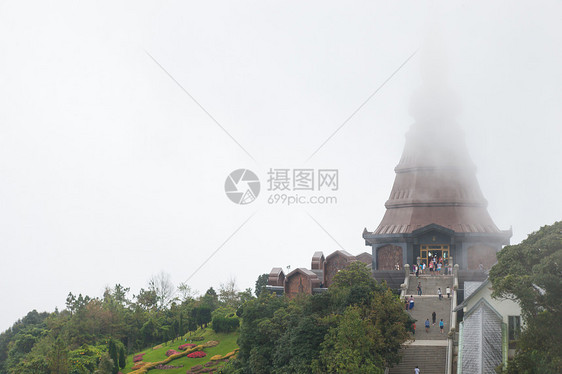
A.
x: 216, y: 357
x: 183, y: 347
x: 211, y: 343
x: 225, y: 324
x: 229, y: 354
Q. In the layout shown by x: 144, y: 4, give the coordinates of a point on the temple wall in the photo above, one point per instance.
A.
x: 480, y: 254
x: 332, y: 266
x: 388, y: 256
x: 297, y: 283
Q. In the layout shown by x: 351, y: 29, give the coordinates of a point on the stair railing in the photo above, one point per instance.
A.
x: 453, y: 319
x: 404, y: 286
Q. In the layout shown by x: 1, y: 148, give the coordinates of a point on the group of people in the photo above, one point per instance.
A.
x: 439, y: 292
x: 427, y: 324
x: 436, y: 265
x: 409, y: 302
x: 434, y: 318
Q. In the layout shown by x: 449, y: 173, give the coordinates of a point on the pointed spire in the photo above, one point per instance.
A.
x: 435, y: 179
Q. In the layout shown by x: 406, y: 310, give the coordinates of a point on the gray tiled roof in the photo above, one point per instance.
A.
x: 470, y: 287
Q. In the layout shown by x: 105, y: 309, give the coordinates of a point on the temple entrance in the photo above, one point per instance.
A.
x: 427, y: 252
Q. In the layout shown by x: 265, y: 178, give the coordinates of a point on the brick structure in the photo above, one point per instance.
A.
x: 389, y: 257
x: 301, y: 281
x: 317, y: 262
x: 334, y: 263
x: 365, y: 258
x: 317, y: 279
x: 276, y: 277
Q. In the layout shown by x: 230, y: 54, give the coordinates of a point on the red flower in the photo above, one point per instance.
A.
x: 197, y: 354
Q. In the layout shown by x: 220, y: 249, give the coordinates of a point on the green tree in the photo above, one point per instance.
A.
x: 210, y: 299
x: 261, y: 282
x: 201, y: 315
x: 122, y: 357
x: 147, y: 300
x: 354, y: 285
x: 186, y: 292
x: 351, y: 346
x: 531, y: 274
x: 58, y: 358
x: 106, y: 364
x: 114, y: 354
x: 258, y: 334
x: 244, y: 296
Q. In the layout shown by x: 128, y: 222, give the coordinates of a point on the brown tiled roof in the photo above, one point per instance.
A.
x: 365, y: 257
x: 436, y: 184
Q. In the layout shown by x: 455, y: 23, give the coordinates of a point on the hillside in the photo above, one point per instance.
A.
x: 226, y: 345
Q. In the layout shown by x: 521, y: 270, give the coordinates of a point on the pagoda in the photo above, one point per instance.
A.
x: 436, y: 207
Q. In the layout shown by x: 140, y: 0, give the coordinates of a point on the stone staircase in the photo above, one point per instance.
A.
x: 427, y: 350
x: 430, y: 360
x: 393, y: 278
x: 430, y: 284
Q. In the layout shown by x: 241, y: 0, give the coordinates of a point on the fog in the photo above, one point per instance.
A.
x: 120, y: 122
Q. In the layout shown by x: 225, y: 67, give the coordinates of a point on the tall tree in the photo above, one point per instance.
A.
x: 106, y: 365
x: 351, y: 346
x: 163, y: 288
x: 261, y: 282
x: 186, y: 293
x: 114, y: 354
x: 122, y: 357
x: 531, y: 274
x: 228, y: 293
x: 58, y: 358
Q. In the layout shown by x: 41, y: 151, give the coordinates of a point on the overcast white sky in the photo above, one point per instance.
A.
x: 110, y: 173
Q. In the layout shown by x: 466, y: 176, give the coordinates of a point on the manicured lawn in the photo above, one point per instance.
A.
x: 227, y: 343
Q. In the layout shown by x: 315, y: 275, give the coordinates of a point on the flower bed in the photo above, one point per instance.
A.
x: 170, y: 352
x: 186, y: 345
x: 197, y: 354
x: 166, y: 367
x: 151, y: 365
x: 138, y: 366
x: 138, y: 357
x: 211, y: 343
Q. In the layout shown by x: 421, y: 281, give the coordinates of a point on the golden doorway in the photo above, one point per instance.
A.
x: 427, y: 251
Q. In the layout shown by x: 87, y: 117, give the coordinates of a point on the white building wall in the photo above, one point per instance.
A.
x: 504, y: 307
